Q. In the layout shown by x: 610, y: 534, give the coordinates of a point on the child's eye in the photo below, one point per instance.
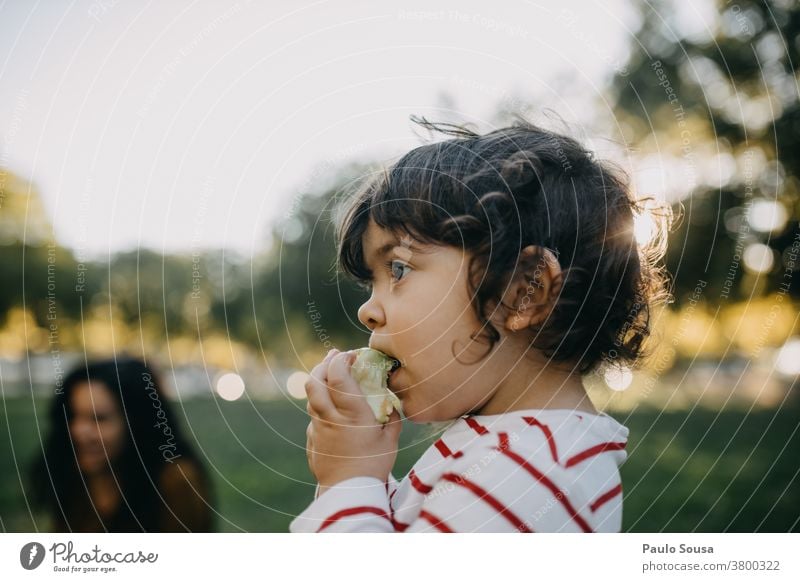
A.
x: 397, y: 269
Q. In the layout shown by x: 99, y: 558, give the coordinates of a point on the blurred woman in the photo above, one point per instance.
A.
x: 115, y: 459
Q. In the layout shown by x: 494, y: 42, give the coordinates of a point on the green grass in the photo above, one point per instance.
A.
x: 712, y: 471
x: 704, y: 471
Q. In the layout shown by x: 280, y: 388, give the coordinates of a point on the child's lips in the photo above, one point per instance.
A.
x: 391, y: 380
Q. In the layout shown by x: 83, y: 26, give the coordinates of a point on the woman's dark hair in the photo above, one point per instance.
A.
x: 492, y: 195
x: 57, y: 482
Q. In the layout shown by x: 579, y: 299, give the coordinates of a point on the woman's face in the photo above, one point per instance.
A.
x: 97, y: 426
x: 420, y: 313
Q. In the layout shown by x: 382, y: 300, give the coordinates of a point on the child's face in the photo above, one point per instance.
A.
x: 420, y: 313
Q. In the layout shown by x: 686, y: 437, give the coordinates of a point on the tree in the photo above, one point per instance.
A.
x: 725, y: 106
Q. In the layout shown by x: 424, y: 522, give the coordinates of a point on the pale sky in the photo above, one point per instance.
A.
x: 180, y: 125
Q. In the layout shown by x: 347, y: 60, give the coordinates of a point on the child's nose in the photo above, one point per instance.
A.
x: 371, y: 314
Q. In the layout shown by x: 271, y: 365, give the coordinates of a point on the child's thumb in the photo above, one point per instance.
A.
x: 394, y: 425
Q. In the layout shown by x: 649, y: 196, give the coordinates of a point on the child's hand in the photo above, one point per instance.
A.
x: 343, y: 438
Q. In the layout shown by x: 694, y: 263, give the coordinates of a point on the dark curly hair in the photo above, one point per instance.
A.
x: 492, y: 195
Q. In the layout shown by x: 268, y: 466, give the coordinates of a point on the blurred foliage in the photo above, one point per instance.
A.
x: 296, y: 291
x: 723, y: 106
x: 285, y: 301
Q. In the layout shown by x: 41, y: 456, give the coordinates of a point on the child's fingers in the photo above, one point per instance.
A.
x: 344, y: 390
x: 316, y: 390
x: 393, y: 425
x: 309, y: 446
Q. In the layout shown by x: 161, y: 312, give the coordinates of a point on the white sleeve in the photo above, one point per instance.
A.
x: 391, y: 487
x: 360, y: 504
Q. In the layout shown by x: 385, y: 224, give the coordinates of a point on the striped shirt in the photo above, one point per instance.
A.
x: 523, y: 471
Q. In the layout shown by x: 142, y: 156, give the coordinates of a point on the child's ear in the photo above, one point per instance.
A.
x: 532, y: 293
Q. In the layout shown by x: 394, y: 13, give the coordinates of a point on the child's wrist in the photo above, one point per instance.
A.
x: 329, y: 482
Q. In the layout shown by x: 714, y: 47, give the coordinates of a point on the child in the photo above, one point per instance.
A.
x: 502, y: 267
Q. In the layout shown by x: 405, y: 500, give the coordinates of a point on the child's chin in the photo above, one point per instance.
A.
x: 423, y: 416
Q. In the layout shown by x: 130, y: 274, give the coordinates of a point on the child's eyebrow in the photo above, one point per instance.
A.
x: 385, y: 249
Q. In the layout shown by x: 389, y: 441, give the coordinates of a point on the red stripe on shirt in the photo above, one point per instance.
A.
x: 547, y: 433
x: 419, y: 485
x: 592, y: 451
x: 399, y: 525
x: 550, y: 485
x: 352, y: 511
x: 445, y: 450
x: 504, y: 444
x: 488, y: 498
x: 605, y: 497
x: 435, y: 521
x: 476, y: 426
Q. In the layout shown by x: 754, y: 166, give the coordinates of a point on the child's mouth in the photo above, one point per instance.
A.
x: 395, y: 366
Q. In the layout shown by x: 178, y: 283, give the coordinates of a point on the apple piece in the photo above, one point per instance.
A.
x: 371, y: 371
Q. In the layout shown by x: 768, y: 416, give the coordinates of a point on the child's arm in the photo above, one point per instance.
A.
x: 359, y: 504
x: 349, y: 453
